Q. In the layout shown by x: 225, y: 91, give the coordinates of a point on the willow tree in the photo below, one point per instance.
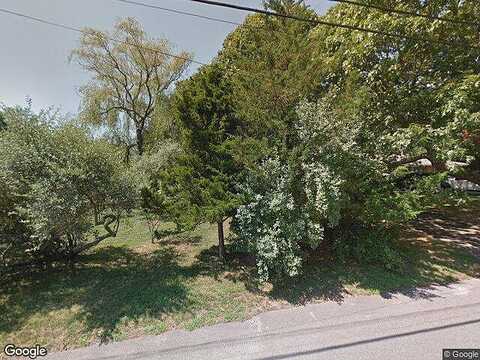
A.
x: 131, y: 72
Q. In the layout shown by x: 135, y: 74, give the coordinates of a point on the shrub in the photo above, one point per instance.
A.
x: 55, y: 179
x: 335, y: 185
x: 272, y: 224
x: 371, y: 246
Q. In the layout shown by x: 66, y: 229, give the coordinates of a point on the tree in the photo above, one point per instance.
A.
x: 418, y: 85
x: 265, y: 61
x: 375, y: 106
x: 462, y: 106
x: 131, y: 73
x: 201, y: 187
x: 56, y: 178
x: 146, y: 174
x: 333, y: 192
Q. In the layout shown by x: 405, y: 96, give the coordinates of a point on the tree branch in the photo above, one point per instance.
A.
x: 407, y: 160
x: 108, y: 221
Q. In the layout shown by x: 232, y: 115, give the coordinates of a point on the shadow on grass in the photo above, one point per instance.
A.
x: 112, y: 284
x: 181, y: 239
x: 438, y: 249
x: 427, y: 263
x: 461, y: 227
x: 109, y: 285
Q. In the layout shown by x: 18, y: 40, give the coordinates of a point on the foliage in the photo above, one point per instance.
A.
x: 331, y: 188
x: 461, y: 104
x: 3, y: 124
x: 265, y: 60
x: 131, y: 74
x: 375, y: 246
x: 207, y: 120
x: 306, y: 135
x: 218, y: 113
x: 374, y: 108
x: 418, y: 86
x: 56, y: 178
x: 272, y: 226
x: 163, y: 125
x: 146, y: 174
x: 200, y: 187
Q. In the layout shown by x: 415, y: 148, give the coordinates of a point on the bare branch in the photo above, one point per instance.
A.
x: 406, y: 161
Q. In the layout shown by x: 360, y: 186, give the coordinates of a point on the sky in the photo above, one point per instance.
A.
x: 34, y: 57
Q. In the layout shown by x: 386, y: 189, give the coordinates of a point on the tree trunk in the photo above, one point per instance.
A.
x: 221, y: 241
x: 140, y: 141
x: 96, y: 215
x: 128, y: 150
x: 109, y: 219
x: 127, y: 155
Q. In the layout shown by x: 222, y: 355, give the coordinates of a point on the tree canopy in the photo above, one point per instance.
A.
x: 201, y: 185
x: 373, y: 132
x: 131, y: 73
x: 56, y: 179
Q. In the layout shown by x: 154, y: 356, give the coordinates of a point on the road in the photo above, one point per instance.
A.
x: 416, y: 325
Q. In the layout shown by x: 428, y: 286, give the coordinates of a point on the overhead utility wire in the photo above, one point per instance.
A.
x: 323, y: 22
x: 138, y: 3
x: 71, y: 28
x: 407, y: 13
x: 178, y: 12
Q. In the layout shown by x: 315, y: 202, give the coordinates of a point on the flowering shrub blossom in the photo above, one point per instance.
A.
x: 288, y: 205
x: 335, y: 177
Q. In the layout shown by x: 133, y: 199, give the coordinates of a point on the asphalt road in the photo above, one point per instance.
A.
x: 416, y: 325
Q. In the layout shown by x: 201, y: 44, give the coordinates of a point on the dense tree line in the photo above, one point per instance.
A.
x: 299, y: 135
x: 335, y: 136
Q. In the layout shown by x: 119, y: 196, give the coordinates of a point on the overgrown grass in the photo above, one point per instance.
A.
x: 130, y: 287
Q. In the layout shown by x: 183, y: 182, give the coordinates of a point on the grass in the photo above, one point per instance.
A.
x: 129, y: 287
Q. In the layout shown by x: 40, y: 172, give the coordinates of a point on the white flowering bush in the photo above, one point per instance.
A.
x: 276, y: 226
x: 291, y: 203
x: 270, y: 223
x: 334, y: 186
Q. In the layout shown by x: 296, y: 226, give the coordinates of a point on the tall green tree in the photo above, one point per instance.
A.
x: 266, y: 58
x: 422, y: 86
x: 201, y: 187
x: 376, y: 110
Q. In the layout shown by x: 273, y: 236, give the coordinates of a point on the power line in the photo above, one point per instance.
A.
x: 179, y: 12
x: 323, y: 22
x: 407, y: 13
x: 71, y: 28
x: 40, y: 20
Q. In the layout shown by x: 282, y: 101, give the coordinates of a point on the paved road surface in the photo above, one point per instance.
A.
x: 413, y: 326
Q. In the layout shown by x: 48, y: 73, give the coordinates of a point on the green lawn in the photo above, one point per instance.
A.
x: 129, y: 287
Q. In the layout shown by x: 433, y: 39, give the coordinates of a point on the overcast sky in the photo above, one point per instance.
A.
x: 34, y: 57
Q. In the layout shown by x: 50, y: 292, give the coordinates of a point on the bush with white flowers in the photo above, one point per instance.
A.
x: 275, y: 226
